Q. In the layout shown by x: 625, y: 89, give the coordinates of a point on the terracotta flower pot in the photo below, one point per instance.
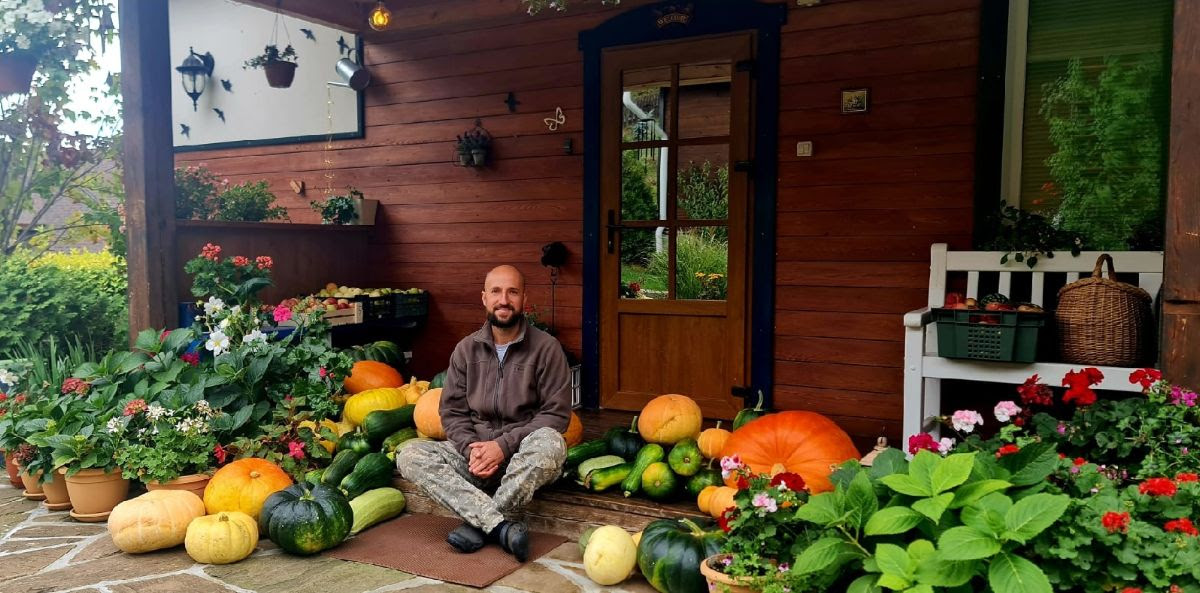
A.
x: 193, y: 483
x: 16, y: 71
x: 14, y: 476
x: 33, y: 490
x: 280, y: 73
x: 55, y: 489
x: 719, y: 582
x: 95, y: 492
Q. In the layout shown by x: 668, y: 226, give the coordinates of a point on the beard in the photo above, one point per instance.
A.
x: 513, y: 320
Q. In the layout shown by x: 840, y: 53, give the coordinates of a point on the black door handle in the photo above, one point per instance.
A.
x: 613, y: 228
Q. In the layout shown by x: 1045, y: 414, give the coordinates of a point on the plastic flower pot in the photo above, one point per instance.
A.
x: 16, y: 71
x: 280, y: 73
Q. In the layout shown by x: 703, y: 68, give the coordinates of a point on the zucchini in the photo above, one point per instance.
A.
x: 355, y: 441
x: 393, y: 441
x: 314, y: 477
x: 380, y: 424
x: 595, y: 463
x: 376, y: 506
x: 647, y: 455
x: 374, y: 470
x: 602, y: 479
x: 584, y: 451
x: 343, y: 464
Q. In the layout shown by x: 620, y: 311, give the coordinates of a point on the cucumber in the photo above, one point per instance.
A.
x: 314, y: 477
x: 343, y: 464
x: 602, y: 479
x: 381, y: 424
x: 596, y: 463
x: 376, y: 506
x: 647, y: 455
x: 584, y: 451
x: 374, y: 470
x: 393, y: 441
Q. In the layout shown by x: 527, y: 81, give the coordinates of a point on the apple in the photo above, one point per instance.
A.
x: 957, y: 306
x: 341, y: 306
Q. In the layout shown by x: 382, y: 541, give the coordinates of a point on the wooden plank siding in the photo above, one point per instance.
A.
x: 854, y: 221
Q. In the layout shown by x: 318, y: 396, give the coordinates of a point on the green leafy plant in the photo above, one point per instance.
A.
x: 270, y: 54
x: 250, y: 202
x: 1109, y: 129
x: 698, y: 253
x: 166, y: 439
x: 703, y: 191
x: 284, y: 441
x: 236, y: 279
x: 1025, y: 236
x: 639, y: 201
x: 338, y: 209
x: 196, y: 191
x: 476, y: 139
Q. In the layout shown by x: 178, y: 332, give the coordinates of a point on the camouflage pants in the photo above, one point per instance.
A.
x: 438, y: 469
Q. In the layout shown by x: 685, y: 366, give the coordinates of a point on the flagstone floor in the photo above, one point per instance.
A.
x: 48, y: 552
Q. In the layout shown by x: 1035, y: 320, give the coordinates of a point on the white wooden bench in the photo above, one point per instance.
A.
x: 924, y: 370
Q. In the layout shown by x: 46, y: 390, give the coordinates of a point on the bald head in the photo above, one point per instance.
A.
x: 504, y: 296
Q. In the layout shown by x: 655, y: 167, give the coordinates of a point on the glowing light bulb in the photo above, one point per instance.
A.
x: 380, y: 17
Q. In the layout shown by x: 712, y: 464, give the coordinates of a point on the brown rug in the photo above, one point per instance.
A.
x: 416, y: 544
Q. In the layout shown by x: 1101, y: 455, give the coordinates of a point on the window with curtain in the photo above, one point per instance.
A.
x: 1090, y: 153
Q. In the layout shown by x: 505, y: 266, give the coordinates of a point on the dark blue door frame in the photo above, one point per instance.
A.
x: 670, y: 21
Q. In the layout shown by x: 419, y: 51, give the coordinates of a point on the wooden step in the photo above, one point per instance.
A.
x: 565, y: 511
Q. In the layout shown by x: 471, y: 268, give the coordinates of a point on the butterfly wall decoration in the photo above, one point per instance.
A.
x: 554, y: 122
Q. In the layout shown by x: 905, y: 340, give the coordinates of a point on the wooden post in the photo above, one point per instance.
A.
x: 149, y: 163
x: 1181, y: 276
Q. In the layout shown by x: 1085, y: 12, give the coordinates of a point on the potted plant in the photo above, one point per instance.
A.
x: 280, y: 66
x: 167, y: 444
x: 473, y: 147
x: 37, y: 32
x: 351, y: 208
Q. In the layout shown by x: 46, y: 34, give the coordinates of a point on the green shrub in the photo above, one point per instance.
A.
x: 703, y: 191
x: 698, y: 252
x: 251, y: 202
x: 196, y: 190
x: 639, y: 201
x: 64, y: 297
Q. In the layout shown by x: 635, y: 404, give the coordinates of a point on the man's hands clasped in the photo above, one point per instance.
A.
x: 485, y: 459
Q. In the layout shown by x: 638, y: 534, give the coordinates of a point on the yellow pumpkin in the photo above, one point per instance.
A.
x: 222, y: 538
x: 244, y: 485
x: 574, y: 432
x: 670, y: 418
x: 721, y: 499
x: 705, y: 497
x: 155, y: 520
x: 427, y: 415
x: 610, y: 556
x: 326, y: 423
x: 711, y: 441
x: 413, y: 390
x: 365, y: 402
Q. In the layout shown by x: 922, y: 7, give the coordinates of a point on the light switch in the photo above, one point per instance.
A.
x: 804, y: 148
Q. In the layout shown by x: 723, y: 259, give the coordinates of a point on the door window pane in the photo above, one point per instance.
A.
x: 645, y: 104
x: 643, y: 194
x: 702, y: 184
x: 704, y: 95
x: 639, y: 248
x: 701, y: 263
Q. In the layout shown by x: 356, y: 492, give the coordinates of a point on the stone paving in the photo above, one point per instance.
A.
x: 48, y: 552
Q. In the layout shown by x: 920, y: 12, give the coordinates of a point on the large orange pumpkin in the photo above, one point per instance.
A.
x: 800, y: 442
x: 711, y: 441
x: 574, y: 432
x: 670, y: 418
x: 244, y: 485
x: 370, y: 374
x: 427, y: 415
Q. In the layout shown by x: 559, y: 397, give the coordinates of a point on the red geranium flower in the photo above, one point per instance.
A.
x: 220, y: 453
x: 790, y: 480
x: 210, y: 252
x: 1146, y: 377
x: 134, y: 407
x: 1034, y: 393
x: 1079, y: 386
x: 1008, y: 449
x: 1186, y: 477
x: 1157, y: 487
x: 264, y: 262
x: 1131, y: 590
x: 726, y: 518
x: 1183, y: 525
x: 1114, y: 522
x: 922, y: 440
x: 192, y: 358
x: 296, y: 449
x: 241, y: 261
x: 743, y: 483
x: 1079, y: 461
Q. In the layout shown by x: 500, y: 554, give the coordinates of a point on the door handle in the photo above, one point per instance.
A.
x: 613, y: 228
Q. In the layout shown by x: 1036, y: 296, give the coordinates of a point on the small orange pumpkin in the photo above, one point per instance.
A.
x: 427, y: 415
x: 711, y: 441
x: 244, y: 485
x: 721, y: 499
x: 370, y: 374
x: 670, y: 418
x: 795, y: 441
x: 705, y: 497
x: 574, y: 432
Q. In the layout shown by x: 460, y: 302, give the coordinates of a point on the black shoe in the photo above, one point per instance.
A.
x: 513, y: 536
x: 466, y: 538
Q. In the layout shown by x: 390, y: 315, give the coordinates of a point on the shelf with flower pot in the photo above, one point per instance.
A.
x: 351, y: 208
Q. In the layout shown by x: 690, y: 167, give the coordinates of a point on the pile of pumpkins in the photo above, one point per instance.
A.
x: 668, y: 552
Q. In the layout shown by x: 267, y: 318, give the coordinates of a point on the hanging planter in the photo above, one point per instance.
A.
x: 280, y: 66
x: 473, y: 147
x: 16, y: 71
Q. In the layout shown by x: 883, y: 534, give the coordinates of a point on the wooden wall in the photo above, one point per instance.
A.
x: 854, y: 221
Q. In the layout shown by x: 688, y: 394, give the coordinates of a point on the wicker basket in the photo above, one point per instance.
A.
x: 1104, y: 322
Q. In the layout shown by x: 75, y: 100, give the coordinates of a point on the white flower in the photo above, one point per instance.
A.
x: 217, y: 343
x: 945, y: 445
x: 114, y: 425
x: 965, y: 420
x: 1005, y: 410
x: 254, y: 336
x: 203, y: 407
x: 8, y: 377
x: 212, y: 305
x: 155, y: 411
x: 224, y: 324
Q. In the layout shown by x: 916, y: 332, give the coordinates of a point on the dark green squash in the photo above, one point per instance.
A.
x: 438, y: 380
x: 625, y: 443
x: 748, y: 414
x: 685, y: 458
x: 304, y: 519
x: 343, y: 463
x: 380, y: 424
x: 374, y: 470
x: 383, y: 351
x: 659, y: 482
x: 705, y: 477
x: 355, y: 441
x: 671, y: 551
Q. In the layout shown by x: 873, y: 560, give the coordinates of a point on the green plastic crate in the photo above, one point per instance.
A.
x: 1004, y: 336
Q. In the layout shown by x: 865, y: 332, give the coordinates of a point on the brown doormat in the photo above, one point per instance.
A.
x: 416, y: 544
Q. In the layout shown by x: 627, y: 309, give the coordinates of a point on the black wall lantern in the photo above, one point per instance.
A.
x: 195, y: 72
